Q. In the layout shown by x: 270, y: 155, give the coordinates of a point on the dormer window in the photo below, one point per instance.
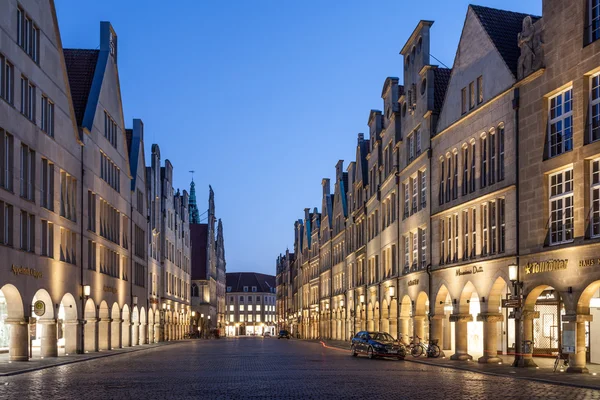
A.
x: 245, y: 288
x: 254, y: 289
x: 229, y: 289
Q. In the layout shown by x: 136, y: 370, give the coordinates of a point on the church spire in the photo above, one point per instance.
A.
x: 193, y: 207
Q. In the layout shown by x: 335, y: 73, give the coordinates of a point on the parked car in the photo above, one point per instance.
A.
x: 283, y: 334
x: 267, y: 334
x: 377, y: 344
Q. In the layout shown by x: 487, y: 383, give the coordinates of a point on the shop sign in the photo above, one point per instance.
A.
x: 511, y: 303
x: 110, y: 289
x: 545, y: 266
x: 413, y: 282
x: 470, y: 271
x: 26, y: 271
x: 39, y: 308
x: 589, y: 262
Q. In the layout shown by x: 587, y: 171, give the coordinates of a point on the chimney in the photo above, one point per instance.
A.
x: 361, y: 138
x: 138, y: 129
x: 339, y: 170
x: 307, y: 214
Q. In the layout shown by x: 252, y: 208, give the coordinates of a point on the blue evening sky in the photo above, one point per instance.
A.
x: 260, y: 98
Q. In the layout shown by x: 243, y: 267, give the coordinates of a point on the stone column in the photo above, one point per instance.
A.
x: 158, y: 333
x: 151, y: 333
x: 115, y: 333
x: 490, y: 337
x: 90, y: 335
x: 72, y: 335
x: 460, y: 336
x: 436, y: 331
x: 404, y: 335
x: 419, y: 328
x: 135, y: 333
x: 527, y: 321
x: 126, y: 333
x: 19, y: 339
x: 104, y: 334
x: 143, y: 334
x: 577, y: 360
x: 48, y: 342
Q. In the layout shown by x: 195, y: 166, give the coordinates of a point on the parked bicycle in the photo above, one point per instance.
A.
x: 431, y: 350
x: 561, y: 357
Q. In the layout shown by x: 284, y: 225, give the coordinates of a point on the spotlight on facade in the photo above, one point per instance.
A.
x: 193, y: 313
x: 342, y: 303
x: 209, y: 317
x: 201, y: 315
x: 135, y: 301
x: 327, y: 306
x: 362, y: 299
x: 391, y: 291
x: 87, y: 290
x: 169, y: 307
x: 164, y: 306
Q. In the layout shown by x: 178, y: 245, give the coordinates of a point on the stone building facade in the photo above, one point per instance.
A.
x: 470, y: 175
x: 251, y: 304
x: 75, y: 237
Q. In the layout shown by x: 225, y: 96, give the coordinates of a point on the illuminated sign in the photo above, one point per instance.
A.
x: 26, y: 271
x: 545, y: 266
x: 589, y: 262
x: 474, y: 270
x: 413, y: 282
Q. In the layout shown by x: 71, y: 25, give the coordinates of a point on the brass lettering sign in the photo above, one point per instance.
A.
x: 413, y: 282
x: 471, y: 271
x: 545, y: 266
x: 110, y: 289
x: 26, y: 271
x: 589, y: 262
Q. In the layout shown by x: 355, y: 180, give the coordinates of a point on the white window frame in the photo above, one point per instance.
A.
x: 595, y: 199
x: 564, y: 196
x: 595, y: 106
x: 562, y: 117
x: 594, y: 4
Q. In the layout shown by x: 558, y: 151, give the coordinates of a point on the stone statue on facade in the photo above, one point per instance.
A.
x: 532, y: 48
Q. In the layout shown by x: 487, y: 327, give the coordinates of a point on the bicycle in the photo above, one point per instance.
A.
x: 561, y: 356
x: 416, y: 349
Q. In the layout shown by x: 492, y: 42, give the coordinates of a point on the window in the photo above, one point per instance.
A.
x: 502, y: 223
x: 27, y: 172
x: 423, y: 189
x: 249, y: 317
x: 463, y: 100
x: 406, y: 199
x: 423, y: 233
x: 472, y: 174
x: 91, y: 211
x: 465, y: 226
x: 406, y: 252
x: 47, y: 116
x: 68, y: 196
x: 595, y: 199
x: 594, y: 13
x: 441, y: 193
x: 418, y: 136
x: 249, y: 307
x: 110, y: 265
x: 484, y: 223
x: 241, y: 299
x: 448, y: 178
x: 473, y: 232
x: 480, y: 90
x: 6, y: 224
x: 7, y: 84
x: 493, y: 231
x: 471, y: 95
x: 91, y: 255
x: 254, y: 289
x: 455, y: 179
x: 245, y: 288
x: 110, y: 222
x: 411, y: 148
x: 47, y: 189
x: 455, y: 258
x: 140, y: 241
x: 500, y: 153
x: 442, y: 241
x: 561, y: 123
x: 27, y: 231
x: 561, y: 207
x: 140, y: 201
x: 47, y: 239
x: 449, y: 239
x: 139, y: 275
x: 28, y: 35
x: 109, y: 172
x: 484, y: 170
x: 492, y: 141
x: 27, y: 99
x: 415, y: 193
x: 67, y: 246
x: 595, y: 108
x: 6, y: 160
x: 465, y: 177
x: 415, y: 248
x: 110, y: 129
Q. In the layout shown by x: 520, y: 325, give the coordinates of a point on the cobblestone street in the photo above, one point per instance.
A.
x: 266, y: 368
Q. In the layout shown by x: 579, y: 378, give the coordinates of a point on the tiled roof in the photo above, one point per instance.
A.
x: 81, y: 65
x: 262, y: 282
x: 503, y: 28
x: 441, y: 78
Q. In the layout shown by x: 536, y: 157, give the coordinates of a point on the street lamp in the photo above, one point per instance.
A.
x: 513, y: 276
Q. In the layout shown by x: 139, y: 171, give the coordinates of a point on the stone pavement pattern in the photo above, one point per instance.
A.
x: 266, y: 369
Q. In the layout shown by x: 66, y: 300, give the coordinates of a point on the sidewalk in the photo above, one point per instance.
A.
x: 544, y: 372
x: 8, y: 368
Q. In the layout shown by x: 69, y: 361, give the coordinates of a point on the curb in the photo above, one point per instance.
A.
x: 41, y: 367
x: 526, y: 378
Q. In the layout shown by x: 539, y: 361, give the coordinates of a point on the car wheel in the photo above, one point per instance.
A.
x: 353, y: 352
x: 370, y: 353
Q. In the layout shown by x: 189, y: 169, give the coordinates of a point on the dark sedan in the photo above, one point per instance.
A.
x: 376, y: 344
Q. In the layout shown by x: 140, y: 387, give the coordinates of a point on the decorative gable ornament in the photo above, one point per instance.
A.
x: 532, y: 48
